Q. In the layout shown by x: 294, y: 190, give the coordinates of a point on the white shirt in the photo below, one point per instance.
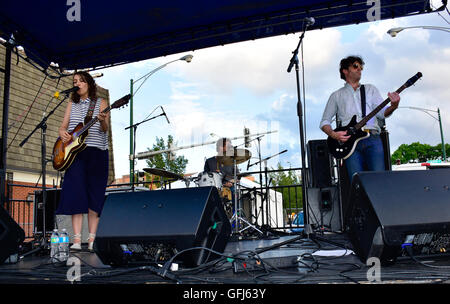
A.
x: 346, y: 102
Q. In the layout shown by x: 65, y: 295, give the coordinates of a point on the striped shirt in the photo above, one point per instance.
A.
x: 96, y: 137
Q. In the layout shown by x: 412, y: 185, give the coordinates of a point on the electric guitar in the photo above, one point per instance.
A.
x: 343, y: 150
x: 64, y: 153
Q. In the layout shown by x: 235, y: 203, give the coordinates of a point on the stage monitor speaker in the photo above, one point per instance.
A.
x: 62, y: 221
x: 153, y: 226
x: 391, y: 208
x: 324, y: 209
x: 319, y: 163
x: 11, y: 236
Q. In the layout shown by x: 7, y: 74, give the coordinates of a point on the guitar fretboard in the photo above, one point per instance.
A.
x: 92, y: 122
x: 363, y: 121
x: 407, y: 84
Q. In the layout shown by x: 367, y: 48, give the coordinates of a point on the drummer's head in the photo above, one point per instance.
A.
x: 222, y: 145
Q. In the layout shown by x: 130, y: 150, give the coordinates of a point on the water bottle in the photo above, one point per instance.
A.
x: 63, y: 246
x: 54, y: 246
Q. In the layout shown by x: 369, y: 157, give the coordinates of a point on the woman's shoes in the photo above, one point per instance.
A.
x: 91, y: 242
x: 76, y: 245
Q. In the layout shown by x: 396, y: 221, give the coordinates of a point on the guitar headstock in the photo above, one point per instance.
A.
x: 121, y: 102
x: 413, y: 80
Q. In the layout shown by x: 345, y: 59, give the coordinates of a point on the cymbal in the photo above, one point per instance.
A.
x: 163, y: 173
x: 240, y: 155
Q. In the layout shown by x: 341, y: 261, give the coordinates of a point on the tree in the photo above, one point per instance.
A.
x: 418, y: 152
x: 288, y: 183
x: 166, y: 161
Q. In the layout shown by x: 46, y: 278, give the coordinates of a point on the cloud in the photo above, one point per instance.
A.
x: 246, y: 84
x: 259, y: 66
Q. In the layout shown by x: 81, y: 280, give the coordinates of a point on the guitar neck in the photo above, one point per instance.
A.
x: 92, y: 121
x: 369, y: 116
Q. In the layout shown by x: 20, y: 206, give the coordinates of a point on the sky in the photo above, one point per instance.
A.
x: 227, y: 88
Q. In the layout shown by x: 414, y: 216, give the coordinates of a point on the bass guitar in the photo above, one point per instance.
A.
x: 64, y: 153
x: 343, y: 150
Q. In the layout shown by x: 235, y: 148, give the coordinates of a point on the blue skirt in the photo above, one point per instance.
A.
x: 85, y: 183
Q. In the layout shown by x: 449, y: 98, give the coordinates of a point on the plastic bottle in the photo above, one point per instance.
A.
x: 54, y: 246
x: 63, y: 246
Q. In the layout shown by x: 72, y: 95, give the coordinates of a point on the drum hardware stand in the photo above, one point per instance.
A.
x: 265, y: 197
x: 237, y: 208
x: 43, y: 126
x: 294, y: 61
x: 133, y: 157
x: 187, y: 181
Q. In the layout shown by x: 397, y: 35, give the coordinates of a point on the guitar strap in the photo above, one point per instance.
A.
x: 363, y: 100
x: 90, y: 111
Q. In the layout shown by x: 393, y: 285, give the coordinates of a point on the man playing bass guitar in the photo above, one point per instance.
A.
x: 368, y: 153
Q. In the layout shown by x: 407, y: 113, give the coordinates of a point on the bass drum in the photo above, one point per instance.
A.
x: 206, y: 179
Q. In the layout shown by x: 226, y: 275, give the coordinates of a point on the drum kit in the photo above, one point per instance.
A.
x: 217, y: 179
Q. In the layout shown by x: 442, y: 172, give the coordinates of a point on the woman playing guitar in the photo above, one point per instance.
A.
x: 85, y: 180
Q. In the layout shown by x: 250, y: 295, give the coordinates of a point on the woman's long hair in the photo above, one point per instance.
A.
x: 92, y: 88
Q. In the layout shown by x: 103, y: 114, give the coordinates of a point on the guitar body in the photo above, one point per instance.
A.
x: 65, y: 153
x: 343, y: 150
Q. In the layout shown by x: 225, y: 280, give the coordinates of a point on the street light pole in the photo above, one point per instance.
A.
x: 131, y: 135
x: 186, y: 58
x: 394, y: 31
x: 444, y: 155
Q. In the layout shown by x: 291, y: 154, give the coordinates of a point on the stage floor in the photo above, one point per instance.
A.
x: 272, y: 259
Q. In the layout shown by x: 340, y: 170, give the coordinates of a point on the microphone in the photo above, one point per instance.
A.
x: 74, y: 89
x: 164, y: 113
x: 310, y: 21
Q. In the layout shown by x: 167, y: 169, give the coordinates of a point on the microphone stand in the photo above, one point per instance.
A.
x: 132, y: 157
x: 43, y: 126
x: 294, y: 61
x: 267, y: 158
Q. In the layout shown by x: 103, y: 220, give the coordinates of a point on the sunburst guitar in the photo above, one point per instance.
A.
x: 64, y: 153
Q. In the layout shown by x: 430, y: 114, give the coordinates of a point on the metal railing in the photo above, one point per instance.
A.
x: 264, y: 205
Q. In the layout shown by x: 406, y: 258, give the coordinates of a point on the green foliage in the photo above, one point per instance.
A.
x: 163, y: 160
x: 418, y: 152
x: 287, y: 182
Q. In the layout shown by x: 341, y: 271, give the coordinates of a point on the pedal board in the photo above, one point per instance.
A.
x: 256, y: 264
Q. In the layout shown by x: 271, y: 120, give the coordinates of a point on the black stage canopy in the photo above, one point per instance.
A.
x: 92, y: 34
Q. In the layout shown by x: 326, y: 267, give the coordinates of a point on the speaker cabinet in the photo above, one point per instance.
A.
x: 319, y: 163
x: 11, y: 235
x: 324, y: 208
x: 153, y: 226
x: 388, y: 208
x: 51, y: 205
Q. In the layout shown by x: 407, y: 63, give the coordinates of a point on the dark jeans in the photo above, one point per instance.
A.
x: 368, y: 156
